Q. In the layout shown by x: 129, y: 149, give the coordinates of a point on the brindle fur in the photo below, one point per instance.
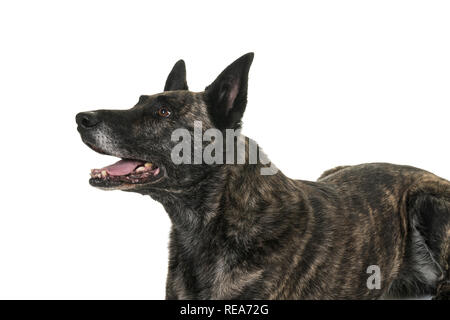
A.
x: 237, y: 234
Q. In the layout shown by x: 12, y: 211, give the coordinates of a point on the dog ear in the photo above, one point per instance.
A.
x: 177, y: 77
x: 227, y: 95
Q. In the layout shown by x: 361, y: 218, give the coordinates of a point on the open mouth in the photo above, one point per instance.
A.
x: 127, y: 173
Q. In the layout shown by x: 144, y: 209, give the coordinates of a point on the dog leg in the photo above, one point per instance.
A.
x: 443, y: 291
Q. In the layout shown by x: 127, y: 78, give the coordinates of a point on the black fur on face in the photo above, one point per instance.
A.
x: 144, y: 132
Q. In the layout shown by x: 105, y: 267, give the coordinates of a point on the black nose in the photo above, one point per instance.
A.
x: 87, y: 119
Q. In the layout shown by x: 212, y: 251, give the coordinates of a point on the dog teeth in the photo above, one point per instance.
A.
x: 95, y: 173
x: 140, y: 169
x: 148, y: 165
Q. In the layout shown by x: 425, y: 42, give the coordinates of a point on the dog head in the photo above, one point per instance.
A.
x: 142, y: 136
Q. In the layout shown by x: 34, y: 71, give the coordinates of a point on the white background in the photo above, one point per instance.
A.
x: 332, y: 83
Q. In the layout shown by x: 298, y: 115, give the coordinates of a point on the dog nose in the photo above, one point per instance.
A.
x: 87, y: 119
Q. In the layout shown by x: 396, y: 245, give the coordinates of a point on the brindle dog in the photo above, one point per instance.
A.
x: 238, y: 234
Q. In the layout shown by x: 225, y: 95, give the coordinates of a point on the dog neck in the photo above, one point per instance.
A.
x: 231, y: 197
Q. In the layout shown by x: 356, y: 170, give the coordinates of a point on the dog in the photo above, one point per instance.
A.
x: 369, y: 231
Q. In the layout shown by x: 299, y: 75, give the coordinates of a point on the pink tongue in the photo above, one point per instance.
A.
x: 122, y: 167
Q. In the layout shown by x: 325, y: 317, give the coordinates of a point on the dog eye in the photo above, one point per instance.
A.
x: 163, y: 112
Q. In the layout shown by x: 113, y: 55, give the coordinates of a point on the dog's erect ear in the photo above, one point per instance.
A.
x: 227, y: 95
x: 177, y: 77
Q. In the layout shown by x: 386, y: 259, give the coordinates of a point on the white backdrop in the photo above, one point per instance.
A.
x: 332, y: 83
